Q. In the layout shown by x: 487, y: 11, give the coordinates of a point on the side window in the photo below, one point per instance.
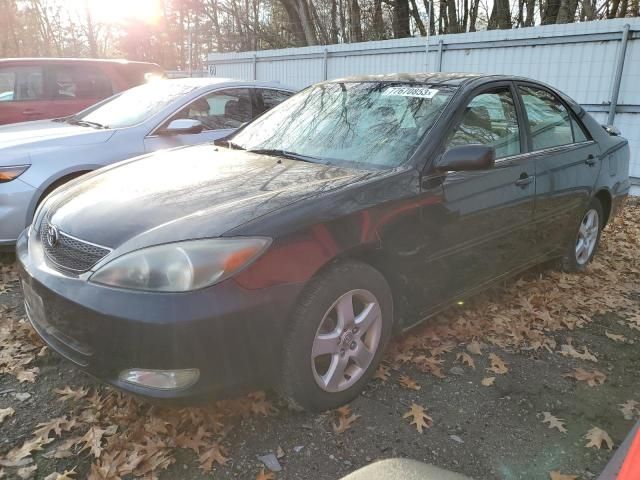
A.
x: 21, y: 83
x: 219, y: 110
x: 549, y: 121
x: 7, y: 85
x: 490, y: 119
x: 79, y: 81
x: 267, y: 99
x: 578, y: 132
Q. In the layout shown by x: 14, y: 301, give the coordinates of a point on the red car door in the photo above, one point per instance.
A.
x: 22, y: 94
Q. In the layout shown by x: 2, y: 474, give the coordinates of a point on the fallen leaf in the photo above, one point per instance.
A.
x: 260, y: 404
x: 55, y: 425
x: 616, y: 338
x: 497, y: 365
x: 28, y: 375
x: 382, y: 373
x: 560, y: 476
x: 420, y: 418
x: 596, y: 377
x: 279, y: 452
x: 66, y: 475
x: 408, y: 383
x: 429, y: 365
x: 265, y: 476
x: 629, y: 409
x: 554, y: 422
x: 488, y: 381
x: 345, y: 419
x: 214, y: 455
x: 93, y: 439
x: 19, y: 456
x: 570, y: 351
x: 596, y: 436
x: 67, y: 393
x: 466, y: 359
x: 6, y: 413
x: 475, y: 348
x: 27, y: 472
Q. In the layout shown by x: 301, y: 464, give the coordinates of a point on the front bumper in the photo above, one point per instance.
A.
x: 16, y: 202
x: 231, y: 334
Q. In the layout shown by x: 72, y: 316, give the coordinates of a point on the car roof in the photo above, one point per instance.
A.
x: 204, y: 82
x: 73, y: 60
x: 454, y: 79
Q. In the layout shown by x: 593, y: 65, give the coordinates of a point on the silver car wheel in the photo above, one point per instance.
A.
x: 346, y: 340
x: 587, y: 236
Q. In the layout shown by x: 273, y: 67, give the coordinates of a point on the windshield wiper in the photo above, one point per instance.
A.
x: 85, y: 123
x: 275, y: 152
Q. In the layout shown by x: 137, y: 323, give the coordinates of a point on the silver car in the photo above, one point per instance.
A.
x: 38, y: 157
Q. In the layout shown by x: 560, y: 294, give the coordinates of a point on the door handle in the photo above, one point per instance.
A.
x: 30, y: 112
x: 523, y: 181
x: 591, y: 160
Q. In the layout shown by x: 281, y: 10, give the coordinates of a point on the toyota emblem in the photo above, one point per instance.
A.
x: 52, y: 236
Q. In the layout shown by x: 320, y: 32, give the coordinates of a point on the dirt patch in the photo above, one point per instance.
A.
x: 482, y: 431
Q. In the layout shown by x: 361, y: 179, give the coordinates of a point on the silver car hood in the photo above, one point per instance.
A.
x: 22, y: 139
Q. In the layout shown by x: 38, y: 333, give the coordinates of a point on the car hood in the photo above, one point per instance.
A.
x: 28, y: 137
x: 185, y: 193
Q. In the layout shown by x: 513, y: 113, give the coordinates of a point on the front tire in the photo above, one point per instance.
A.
x: 336, y: 337
x: 584, y: 242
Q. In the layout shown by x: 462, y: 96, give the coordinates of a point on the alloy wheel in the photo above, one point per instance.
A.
x: 346, y: 340
x: 587, y: 236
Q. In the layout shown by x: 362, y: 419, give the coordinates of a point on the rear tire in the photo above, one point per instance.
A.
x: 584, y: 242
x: 336, y: 337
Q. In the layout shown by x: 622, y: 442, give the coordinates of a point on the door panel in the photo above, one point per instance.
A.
x: 480, y: 228
x: 22, y: 94
x: 567, y: 164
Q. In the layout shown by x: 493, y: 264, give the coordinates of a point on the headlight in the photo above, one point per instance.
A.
x: 10, y: 173
x: 182, y: 266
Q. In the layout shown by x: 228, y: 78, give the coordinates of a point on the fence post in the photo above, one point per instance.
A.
x: 439, y: 62
x: 325, y: 64
x: 255, y: 66
x: 617, y: 79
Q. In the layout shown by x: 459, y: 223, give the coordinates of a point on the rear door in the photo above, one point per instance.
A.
x: 220, y: 112
x: 482, y: 227
x: 72, y: 88
x: 22, y: 94
x: 567, y: 165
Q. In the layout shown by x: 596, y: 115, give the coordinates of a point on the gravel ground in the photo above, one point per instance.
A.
x: 485, y: 432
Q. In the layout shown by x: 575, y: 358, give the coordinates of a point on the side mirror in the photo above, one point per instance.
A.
x: 467, y: 157
x: 612, y: 130
x: 183, y: 126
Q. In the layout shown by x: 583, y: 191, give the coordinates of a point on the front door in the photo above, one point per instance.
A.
x: 220, y: 113
x: 567, y: 164
x: 480, y: 228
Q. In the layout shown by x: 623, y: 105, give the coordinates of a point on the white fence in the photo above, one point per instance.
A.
x: 581, y: 59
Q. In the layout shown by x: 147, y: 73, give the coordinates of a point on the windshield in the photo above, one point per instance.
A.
x: 370, y: 124
x: 136, y: 105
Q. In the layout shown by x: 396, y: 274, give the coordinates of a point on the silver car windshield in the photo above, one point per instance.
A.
x: 375, y: 124
x: 134, y: 106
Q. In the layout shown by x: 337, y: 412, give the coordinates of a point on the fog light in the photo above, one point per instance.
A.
x: 161, y: 379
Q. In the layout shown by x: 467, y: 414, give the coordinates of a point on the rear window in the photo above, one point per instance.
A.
x: 79, y: 82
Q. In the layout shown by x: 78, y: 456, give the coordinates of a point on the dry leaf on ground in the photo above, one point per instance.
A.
x: 561, y: 476
x: 382, y: 373
x: 213, y: 455
x: 345, y: 419
x: 596, y: 437
x: 27, y: 472
x: 6, y: 413
x: 408, y: 383
x: 420, y: 418
x: 488, y: 381
x: 554, y: 422
x: 630, y: 409
x: 593, y: 378
x: 466, y: 359
x: 67, y: 393
x: 475, y: 348
x: 498, y: 366
x: 66, y: 475
x: 616, y: 338
x: 569, y: 351
x: 265, y: 475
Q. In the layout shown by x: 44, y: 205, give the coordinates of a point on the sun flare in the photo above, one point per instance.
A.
x: 120, y: 11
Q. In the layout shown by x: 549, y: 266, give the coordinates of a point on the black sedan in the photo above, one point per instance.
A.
x: 288, y: 254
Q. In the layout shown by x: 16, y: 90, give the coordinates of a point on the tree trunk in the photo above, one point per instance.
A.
x: 500, y: 16
x: 417, y: 19
x: 378, y: 21
x: 530, y: 19
x: 473, y: 14
x: 334, y: 21
x: 549, y: 14
x: 400, y: 19
x: 453, y: 16
x: 355, y: 21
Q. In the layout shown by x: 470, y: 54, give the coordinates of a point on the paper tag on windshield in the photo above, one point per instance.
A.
x: 421, y: 92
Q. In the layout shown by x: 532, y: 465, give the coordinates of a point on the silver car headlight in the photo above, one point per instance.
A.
x: 181, y: 266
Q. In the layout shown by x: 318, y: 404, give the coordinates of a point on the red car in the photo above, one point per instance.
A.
x: 39, y: 88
